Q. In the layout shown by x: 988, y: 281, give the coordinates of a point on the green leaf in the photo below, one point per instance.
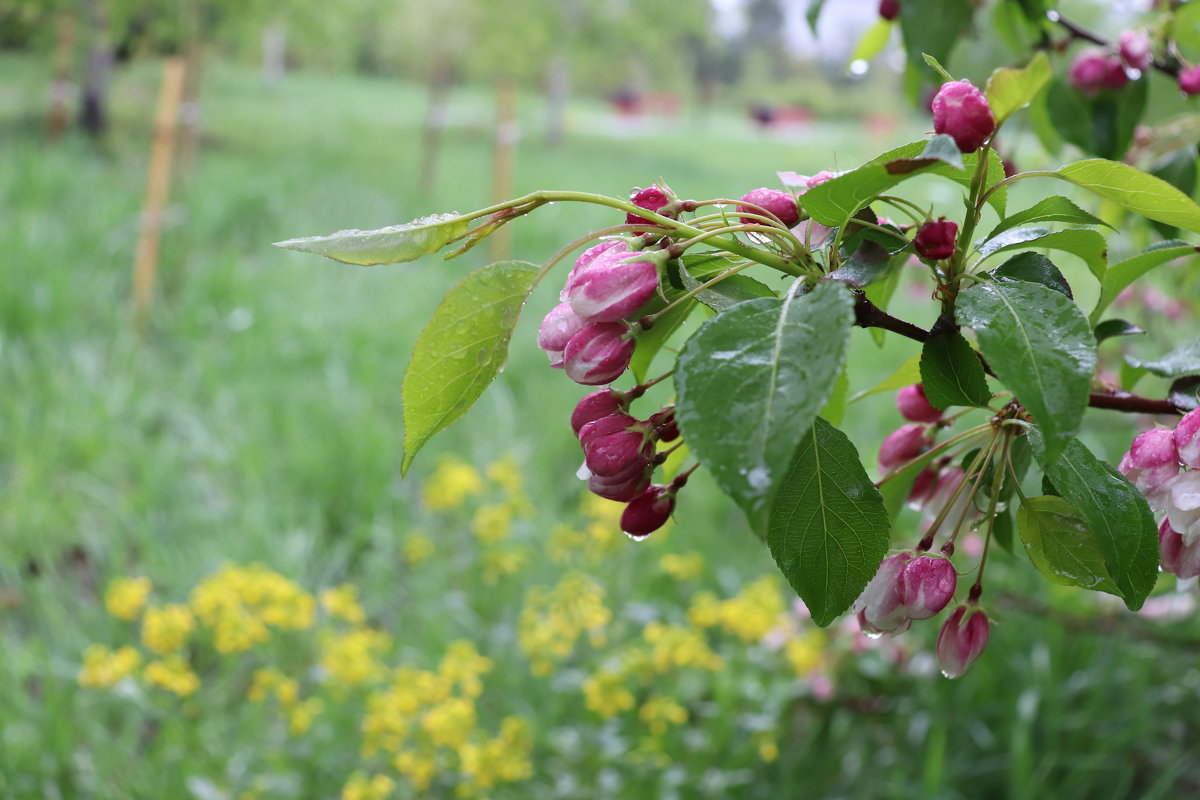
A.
x: 650, y: 342
x: 1116, y: 327
x: 931, y: 28
x: 1102, y: 124
x: 1185, y: 30
x: 1120, y: 520
x: 1053, y: 209
x: 750, y: 382
x: 951, y: 372
x: 1083, y: 242
x: 874, y: 41
x: 868, y: 264
x: 1011, y: 89
x: 1185, y: 392
x: 1060, y: 544
x: 406, y: 242
x: 1002, y: 530
x: 1124, y: 273
x: 937, y: 67
x: 1182, y: 360
x: 906, y: 374
x: 814, y: 14
x: 881, y: 292
x: 828, y: 530
x: 1040, y: 346
x: 835, y: 408
x: 1133, y: 189
x: 462, y: 349
x: 1034, y: 268
x: 730, y: 291
x: 837, y: 200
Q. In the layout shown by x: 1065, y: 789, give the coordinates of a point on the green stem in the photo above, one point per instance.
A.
x: 924, y: 458
x: 648, y: 321
x: 997, y: 483
x: 931, y: 534
x: 1036, y: 173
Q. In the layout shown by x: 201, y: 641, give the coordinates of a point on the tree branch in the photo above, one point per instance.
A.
x: 869, y: 315
x: 1078, y: 32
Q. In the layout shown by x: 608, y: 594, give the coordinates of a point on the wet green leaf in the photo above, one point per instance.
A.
x: 951, y: 373
x: 1122, y: 274
x: 1133, y: 189
x: 406, y: 242
x: 828, y: 530
x: 1011, y: 89
x: 1060, y: 543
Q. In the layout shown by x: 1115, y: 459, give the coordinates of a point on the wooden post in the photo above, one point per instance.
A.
x: 60, y: 90
x: 435, y: 121
x: 503, y: 160
x: 158, y: 182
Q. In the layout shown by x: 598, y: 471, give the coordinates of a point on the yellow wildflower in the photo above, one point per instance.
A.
x: 605, y: 694
x: 360, y: 787
x: 166, y: 629
x: 419, y: 768
x: 268, y: 681
x: 506, y: 473
x: 499, y: 564
x: 674, y: 647
x: 682, y: 567
x: 125, y: 597
x: 768, y: 749
x: 104, y: 668
x: 492, y: 523
x: 658, y: 712
x: 301, y: 715
x: 449, y: 723
x: 240, y: 603
x: 349, y: 658
x: 173, y: 674
x: 705, y: 611
x: 551, y: 621
x: 462, y: 665
x: 749, y: 615
x: 342, y: 603
x: 806, y: 653
x: 503, y: 759
x: 451, y: 484
x: 417, y: 549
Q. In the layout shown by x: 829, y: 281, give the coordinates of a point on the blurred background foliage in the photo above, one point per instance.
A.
x: 213, y: 583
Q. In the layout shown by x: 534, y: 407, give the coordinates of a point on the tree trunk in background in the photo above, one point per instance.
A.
x: 558, y: 91
x: 60, y: 90
x: 274, y: 53
x: 435, y: 121
x: 189, y: 108
x: 93, y: 111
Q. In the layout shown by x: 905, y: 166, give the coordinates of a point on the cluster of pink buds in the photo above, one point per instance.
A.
x: 586, y: 335
x: 1164, y: 465
x: 620, y: 457
x: 781, y: 205
x: 962, y: 112
x: 916, y: 585
x: 1095, y: 69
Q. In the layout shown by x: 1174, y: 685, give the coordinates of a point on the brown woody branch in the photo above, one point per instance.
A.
x: 869, y: 315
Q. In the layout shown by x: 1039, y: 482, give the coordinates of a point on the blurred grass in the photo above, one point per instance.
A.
x: 259, y: 420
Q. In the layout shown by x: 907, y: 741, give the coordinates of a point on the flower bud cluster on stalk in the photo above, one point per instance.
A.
x: 1164, y: 465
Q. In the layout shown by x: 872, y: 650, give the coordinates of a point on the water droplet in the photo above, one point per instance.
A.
x: 873, y: 634
x: 583, y: 473
x: 635, y: 538
x: 759, y: 479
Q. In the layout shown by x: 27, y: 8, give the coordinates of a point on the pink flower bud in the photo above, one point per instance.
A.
x: 902, y: 445
x: 612, y: 288
x: 588, y: 257
x: 922, y: 488
x: 935, y: 240
x: 926, y: 584
x: 556, y: 330
x: 949, y: 479
x: 648, y: 512
x: 1189, y: 81
x: 961, y: 640
x: 599, y: 353
x: 824, y: 176
x: 1177, y: 557
x: 597, y: 405
x: 1186, y: 441
x: 961, y: 110
x: 618, y: 454
x: 1136, y: 50
x: 652, y: 198
x: 889, y: 9
x: 1151, y: 463
x: 914, y: 406
x: 1181, y: 500
x: 1094, y: 69
x: 781, y: 204
x: 880, y: 608
x: 622, y: 488
x: 664, y: 424
x: 613, y: 423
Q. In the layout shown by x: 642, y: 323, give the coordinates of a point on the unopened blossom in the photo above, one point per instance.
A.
x: 599, y: 353
x: 556, y: 330
x: 613, y: 286
x: 962, y: 639
x: 781, y: 204
x: 648, y: 512
x: 903, y: 445
x: 961, y: 111
x: 915, y: 406
x: 1177, y: 556
x: 1187, y: 443
x: 1136, y: 50
x: 935, y: 239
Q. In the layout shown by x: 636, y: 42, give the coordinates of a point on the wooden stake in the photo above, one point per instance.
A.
x: 435, y: 122
x: 60, y: 90
x: 158, y: 182
x: 504, y: 160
